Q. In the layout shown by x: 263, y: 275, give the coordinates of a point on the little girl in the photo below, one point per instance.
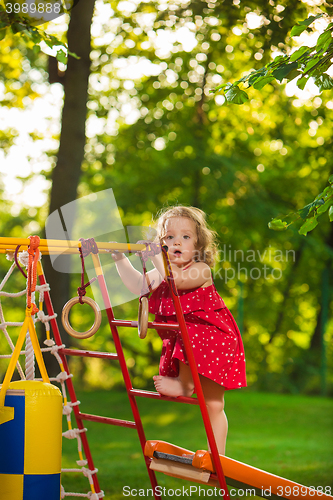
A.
x: 215, y: 339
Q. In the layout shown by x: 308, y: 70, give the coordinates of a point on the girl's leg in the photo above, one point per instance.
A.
x: 214, y: 399
x: 183, y: 385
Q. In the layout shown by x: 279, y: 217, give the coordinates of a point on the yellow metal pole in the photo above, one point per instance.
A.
x: 64, y: 246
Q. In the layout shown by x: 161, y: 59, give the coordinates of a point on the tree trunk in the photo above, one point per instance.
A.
x: 286, y: 294
x: 316, y: 340
x: 66, y: 174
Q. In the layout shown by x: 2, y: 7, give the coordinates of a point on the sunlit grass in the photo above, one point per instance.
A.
x: 290, y: 436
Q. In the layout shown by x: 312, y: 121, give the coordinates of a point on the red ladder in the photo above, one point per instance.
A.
x: 134, y: 393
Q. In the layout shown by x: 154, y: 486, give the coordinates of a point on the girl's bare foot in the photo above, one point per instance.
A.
x: 171, y: 386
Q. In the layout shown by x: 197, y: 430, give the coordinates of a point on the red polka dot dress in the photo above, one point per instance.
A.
x: 216, y: 341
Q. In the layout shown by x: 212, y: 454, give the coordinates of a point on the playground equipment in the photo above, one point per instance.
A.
x: 30, y: 459
x: 202, y: 467
x: 65, y: 317
x: 30, y: 463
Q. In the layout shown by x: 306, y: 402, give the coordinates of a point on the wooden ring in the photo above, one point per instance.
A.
x: 143, y: 317
x: 65, y: 318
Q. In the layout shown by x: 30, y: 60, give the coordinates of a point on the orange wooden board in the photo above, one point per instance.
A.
x: 238, y: 474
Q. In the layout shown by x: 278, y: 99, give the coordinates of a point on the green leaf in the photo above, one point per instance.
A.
x: 325, y: 65
x: 284, y: 70
x: 330, y: 179
x: 255, y: 76
x: 308, y: 226
x: 304, y: 212
x: 61, y: 56
x: 324, y: 206
x: 297, y: 30
x: 220, y: 87
x: 277, y: 225
x: 311, y: 63
x: 277, y: 61
x: 324, y: 40
x: 236, y: 95
x: 298, y: 54
x: 310, y: 20
x: 49, y: 42
x: 324, y: 82
x: 328, y: 192
x: 303, y: 25
x: 74, y: 55
x: 261, y: 82
x: 17, y: 27
x: 293, y: 74
x: 330, y: 213
x: 217, y: 89
x: 302, y: 82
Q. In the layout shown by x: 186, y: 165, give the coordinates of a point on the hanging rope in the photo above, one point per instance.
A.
x: 151, y: 250
x: 33, y: 252
x: 17, y: 261
x: 4, y: 324
x: 87, y: 246
x: 33, y: 256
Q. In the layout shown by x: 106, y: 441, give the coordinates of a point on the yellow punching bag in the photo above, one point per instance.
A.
x: 30, y: 444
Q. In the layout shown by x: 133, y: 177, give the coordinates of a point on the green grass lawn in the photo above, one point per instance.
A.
x: 287, y: 435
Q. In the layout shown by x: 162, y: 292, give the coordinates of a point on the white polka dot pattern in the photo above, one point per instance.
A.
x: 216, y: 341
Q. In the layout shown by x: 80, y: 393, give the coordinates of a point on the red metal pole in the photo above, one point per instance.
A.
x: 88, y: 354
x: 123, y: 366
x: 196, y: 379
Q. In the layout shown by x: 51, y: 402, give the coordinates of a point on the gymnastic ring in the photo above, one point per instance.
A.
x: 143, y: 317
x: 65, y: 318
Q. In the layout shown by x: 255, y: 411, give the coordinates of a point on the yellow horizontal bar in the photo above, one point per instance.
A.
x: 43, y: 250
x: 65, y: 246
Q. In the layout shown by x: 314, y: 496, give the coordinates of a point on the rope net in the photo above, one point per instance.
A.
x: 28, y: 372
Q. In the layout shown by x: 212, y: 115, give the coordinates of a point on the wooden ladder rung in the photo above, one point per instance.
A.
x: 106, y: 420
x: 156, y: 395
x: 88, y: 354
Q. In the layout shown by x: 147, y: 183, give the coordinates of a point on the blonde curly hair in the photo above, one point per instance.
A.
x: 206, y: 245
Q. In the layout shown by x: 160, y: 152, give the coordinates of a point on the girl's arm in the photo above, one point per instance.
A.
x: 131, y: 277
x: 197, y: 275
x: 157, y: 260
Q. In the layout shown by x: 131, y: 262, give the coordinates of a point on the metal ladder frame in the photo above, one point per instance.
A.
x: 131, y: 392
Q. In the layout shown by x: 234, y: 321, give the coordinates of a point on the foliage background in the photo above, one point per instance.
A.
x: 153, y: 131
